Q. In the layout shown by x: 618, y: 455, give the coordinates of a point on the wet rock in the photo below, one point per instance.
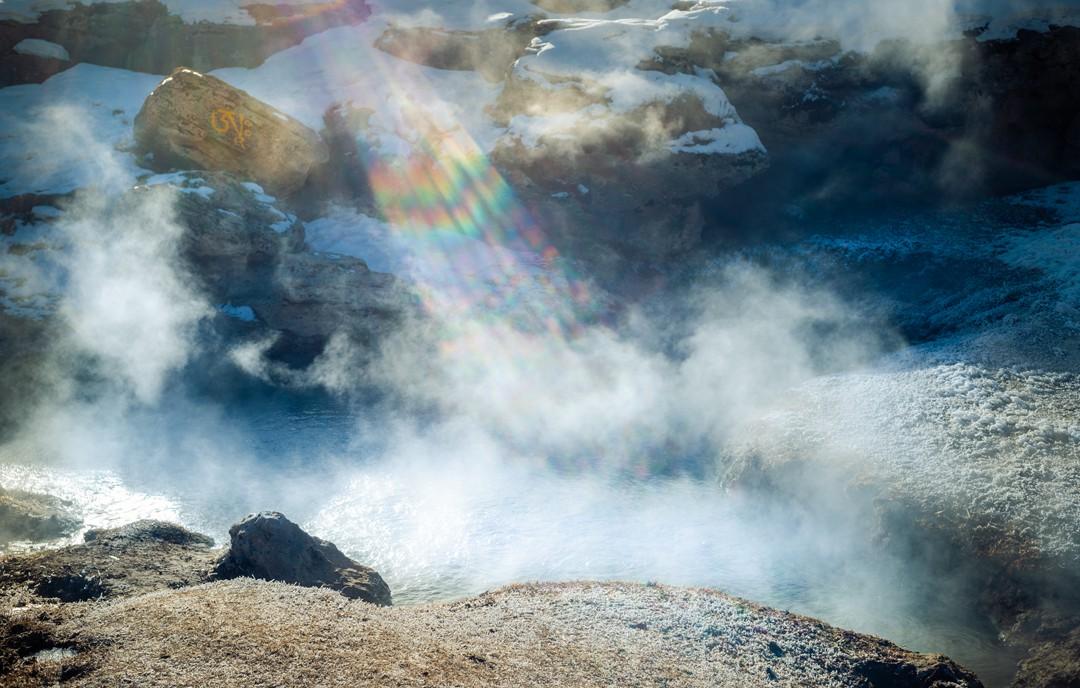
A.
x: 34, y: 517
x: 269, y: 546
x: 192, y: 120
x: 933, y: 672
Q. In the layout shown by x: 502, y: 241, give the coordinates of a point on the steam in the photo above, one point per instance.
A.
x: 620, y: 397
x: 127, y: 303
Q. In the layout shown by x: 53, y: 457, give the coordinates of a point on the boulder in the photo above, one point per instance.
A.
x: 193, y: 120
x: 269, y: 546
x: 34, y: 517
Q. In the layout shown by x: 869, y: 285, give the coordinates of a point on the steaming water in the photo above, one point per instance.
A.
x: 439, y: 531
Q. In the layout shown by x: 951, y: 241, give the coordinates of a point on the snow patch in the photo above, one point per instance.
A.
x: 40, y: 48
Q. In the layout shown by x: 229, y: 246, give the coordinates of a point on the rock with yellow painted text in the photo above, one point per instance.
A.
x: 194, y: 120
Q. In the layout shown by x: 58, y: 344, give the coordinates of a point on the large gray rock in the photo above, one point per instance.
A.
x: 271, y: 547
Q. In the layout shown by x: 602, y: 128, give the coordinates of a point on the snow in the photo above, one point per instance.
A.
x: 71, y: 131
x: 733, y: 138
x: 40, y: 48
x: 260, y: 194
x: 347, y: 232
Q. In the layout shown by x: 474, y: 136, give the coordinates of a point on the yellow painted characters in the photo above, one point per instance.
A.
x: 224, y: 121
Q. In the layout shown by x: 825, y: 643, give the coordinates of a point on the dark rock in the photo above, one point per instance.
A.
x: 34, y: 517
x: 271, y: 547
x: 71, y: 587
x: 938, y: 672
x: 192, y: 120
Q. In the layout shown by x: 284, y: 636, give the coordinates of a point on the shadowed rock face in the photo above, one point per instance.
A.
x: 196, y: 121
x: 269, y: 546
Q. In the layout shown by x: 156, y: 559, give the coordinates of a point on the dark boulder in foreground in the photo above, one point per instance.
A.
x: 194, y: 120
x: 271, y: 547
x: 34, y: 517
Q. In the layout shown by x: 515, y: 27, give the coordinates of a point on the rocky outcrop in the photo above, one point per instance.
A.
x: 26, y: 516
x: 192, y: 120
x: 142, y: 35
x: 137, y: 558
x: 269, y: 546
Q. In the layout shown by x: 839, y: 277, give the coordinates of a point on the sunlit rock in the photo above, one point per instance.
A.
x: 271, y: 547
x: 192, y: 120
